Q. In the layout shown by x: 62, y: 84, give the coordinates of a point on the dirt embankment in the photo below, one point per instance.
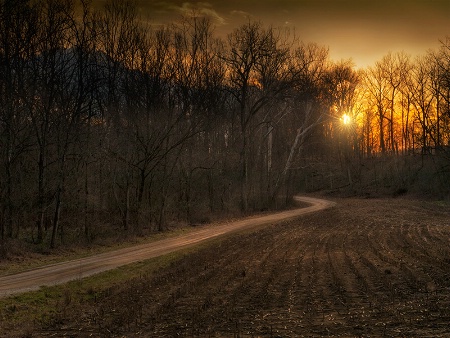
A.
x: 363, y: 268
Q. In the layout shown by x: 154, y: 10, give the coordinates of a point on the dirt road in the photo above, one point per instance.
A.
x: 80, y: 268
x: 364, y: 268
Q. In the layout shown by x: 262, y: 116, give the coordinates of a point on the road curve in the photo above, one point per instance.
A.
x: 79, y: 268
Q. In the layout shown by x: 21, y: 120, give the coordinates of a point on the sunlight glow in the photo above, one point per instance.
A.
x: 346, y: 119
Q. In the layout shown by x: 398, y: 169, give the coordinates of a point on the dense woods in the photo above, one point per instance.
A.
x: 108, y: 123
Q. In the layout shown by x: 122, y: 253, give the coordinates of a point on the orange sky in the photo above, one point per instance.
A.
x: 363, y: 30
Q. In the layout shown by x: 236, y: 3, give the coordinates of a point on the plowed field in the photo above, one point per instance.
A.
x: 365, y: 268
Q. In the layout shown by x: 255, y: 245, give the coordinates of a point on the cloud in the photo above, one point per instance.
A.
x: 190, y: 9
x: 237, y: 17
x: 361, y: 29
x: 241, y: 13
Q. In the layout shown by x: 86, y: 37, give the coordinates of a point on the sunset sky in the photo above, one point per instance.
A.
x: 363, y: 30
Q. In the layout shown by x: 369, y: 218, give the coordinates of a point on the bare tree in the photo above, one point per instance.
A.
x: 18, y: 26
x: 259, y: 74
x: 440, y: 76
x: 395, y: 68
x: 340, y: 82
x: 307, y: 109
x: 378, y: 88
x: 423, y: 103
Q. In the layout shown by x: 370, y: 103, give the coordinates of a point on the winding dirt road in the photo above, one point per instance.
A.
x: 76, y: 269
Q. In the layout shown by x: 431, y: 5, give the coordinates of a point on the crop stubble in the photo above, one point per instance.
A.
x: 362, y: 268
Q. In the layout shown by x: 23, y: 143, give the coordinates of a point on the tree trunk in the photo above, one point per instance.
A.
x: 244, y: 173
x: 41, y: 201
x: 269, y: 163
x: 56, y: 217
x: 126, y: 214
x: 8, y: 212
x: 86, y: 203
x: 382, y: 144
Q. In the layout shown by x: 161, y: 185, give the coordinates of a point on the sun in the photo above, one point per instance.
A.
x: 346, y: 119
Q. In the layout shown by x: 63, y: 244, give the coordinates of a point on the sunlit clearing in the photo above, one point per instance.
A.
x: 346, y: 119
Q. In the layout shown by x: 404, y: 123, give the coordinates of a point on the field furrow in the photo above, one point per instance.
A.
x: 358, y: 269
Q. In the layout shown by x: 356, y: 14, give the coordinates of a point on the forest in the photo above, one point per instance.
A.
x: 109, y: 124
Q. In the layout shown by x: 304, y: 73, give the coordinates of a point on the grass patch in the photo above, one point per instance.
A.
x: 21, y: 263
x: 443, y: 203
x: 20, y: 314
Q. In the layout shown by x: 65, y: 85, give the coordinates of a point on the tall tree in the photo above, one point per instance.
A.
x: 18, y: 27
x: 395, y: 69
x: 258, y: 74
x: 378, y: 88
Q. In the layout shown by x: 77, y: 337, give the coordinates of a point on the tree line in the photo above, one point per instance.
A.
x: 409, y: 102
x: 107, y: 122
